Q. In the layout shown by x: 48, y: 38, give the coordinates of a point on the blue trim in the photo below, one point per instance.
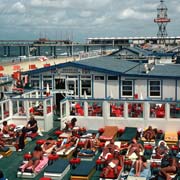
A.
x: 106, y: 76
x: 176, y: 83
x: 161, y: 89
x: 41, y: 81
x: 92, y: 93
x: 133, y: 87
x: 147, y: 81
x: 78, y: 86
x: 119, y: 87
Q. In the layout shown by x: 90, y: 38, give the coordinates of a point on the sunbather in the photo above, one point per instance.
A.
x: 48, y: 145
x: 135, y: 147
x: 149, y: 133
x: 37, y: 155
x: 161, y: 149
x: 113, y: 163
x: 109, y: 149
x: 171, y: 168
x: 139, y: 165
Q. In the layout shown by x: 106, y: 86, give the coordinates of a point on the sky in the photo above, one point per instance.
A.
x: 80, y: 19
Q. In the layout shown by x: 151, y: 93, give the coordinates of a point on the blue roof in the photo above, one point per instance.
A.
x: 144, y: 52
x: 111, y: 65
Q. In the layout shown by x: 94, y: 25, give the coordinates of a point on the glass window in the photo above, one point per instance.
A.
x: 127, y: 88
x: 35, y: 83
x: 99, y: 78
x: 86, y: 87
x: 154, y: 88
x: 112, y: 78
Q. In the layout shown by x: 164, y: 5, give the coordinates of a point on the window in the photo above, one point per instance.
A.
x: 49, y: 82
x: 127, y: 88
x: 35, y: 83
x: 99, y: 78
x: 112, y: 78
x: 154, y: 88
x: 86, y: 86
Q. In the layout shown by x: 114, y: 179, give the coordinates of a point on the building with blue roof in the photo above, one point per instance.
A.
x: 126, y: 90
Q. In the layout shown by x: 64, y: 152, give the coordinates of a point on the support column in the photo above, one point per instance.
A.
x: 20, y: 51
x: 4, y: 47
x: 9, y: 51
x: 39, y: 51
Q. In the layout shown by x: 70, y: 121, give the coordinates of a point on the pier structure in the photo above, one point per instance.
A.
x: 47, y: 47
x: 162, y: 20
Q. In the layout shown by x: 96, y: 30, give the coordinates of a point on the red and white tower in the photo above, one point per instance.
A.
x: 162, y: 20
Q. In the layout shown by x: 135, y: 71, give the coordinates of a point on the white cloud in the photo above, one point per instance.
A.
x: 132, y: 14
x: 85, y: 14
x: 18, y: 7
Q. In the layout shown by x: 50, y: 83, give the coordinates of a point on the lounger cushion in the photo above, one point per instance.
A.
x: 57, y: 166
x: 129, y: 134
x: 83, y: 169
x: 109, y: 133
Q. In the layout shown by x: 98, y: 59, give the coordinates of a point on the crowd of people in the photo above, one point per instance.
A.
x: 111, y: 153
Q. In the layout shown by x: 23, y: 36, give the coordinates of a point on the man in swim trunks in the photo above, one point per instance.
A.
x: 171, y: 168
x: 37, y: 155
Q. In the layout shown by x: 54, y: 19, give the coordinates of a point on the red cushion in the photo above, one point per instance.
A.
x: 80, y: 144
x: 148, y: 147
x: 101, y: 130
x: 111, y: 174
x: 75, y: 160
x: 45, y: 178
x: 99, y: 162
x: 27, y: 156
x: 174, y: 147
x: 40, y: 141
x: 58, y: 132
x: 154, y: 165
x: 53, y: 157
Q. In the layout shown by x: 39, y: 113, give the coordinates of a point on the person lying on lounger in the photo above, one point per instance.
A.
x: 90, y: 146
x: 161, y: 149
x: 113, y: 163
x: 37, y: 155
x: 48, y: 145
x: 134, y: 147
x: 139, y: 165
x: 70, y: 142
x: 109, y: 149
x: 149, y: 133
x: 170, y: 169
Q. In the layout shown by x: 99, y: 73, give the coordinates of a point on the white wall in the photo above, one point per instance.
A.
x: 178, y: 89
x: 141, y: 88
x: 113, y: 89
x: 99, y: 89
x: 169, y: 89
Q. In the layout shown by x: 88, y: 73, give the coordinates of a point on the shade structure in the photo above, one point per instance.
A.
x: 1, y: 68
x: 16, y: 67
